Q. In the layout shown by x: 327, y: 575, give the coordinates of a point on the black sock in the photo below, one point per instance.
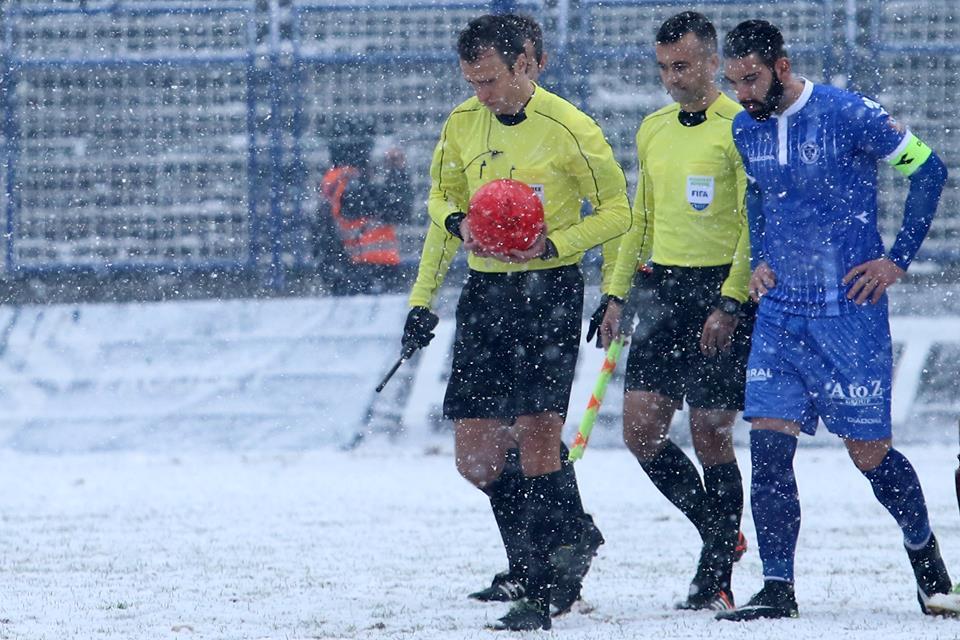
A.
x: 724, y: 489
x: 506, y: 500
x: 574, y: 517
x: 569, y: 481
x: 676, y: 477
x: 545, y: 512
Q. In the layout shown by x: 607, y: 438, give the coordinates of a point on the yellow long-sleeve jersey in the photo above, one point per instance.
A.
x: 689, y: 207
x: 556, y: 149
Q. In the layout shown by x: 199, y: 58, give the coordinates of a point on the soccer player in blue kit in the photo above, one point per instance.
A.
x: 821, y: 345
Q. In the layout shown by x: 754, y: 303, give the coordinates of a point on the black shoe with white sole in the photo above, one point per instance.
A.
x: 524, y: 615
x: 775, y: 600
x: 505, y: 587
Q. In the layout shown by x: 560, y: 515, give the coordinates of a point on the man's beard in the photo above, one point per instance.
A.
x: 770, y: 102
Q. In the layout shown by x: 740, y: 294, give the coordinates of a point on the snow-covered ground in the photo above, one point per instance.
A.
x: 169, y: 471
x: 385, y: 541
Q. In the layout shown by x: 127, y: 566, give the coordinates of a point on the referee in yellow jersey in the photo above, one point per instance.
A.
x: 508, y: 586
x: 519, y: 315
x: 690, y: 219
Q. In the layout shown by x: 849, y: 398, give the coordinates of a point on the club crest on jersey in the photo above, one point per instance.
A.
x: 809, y: 152
x: 699, y: 191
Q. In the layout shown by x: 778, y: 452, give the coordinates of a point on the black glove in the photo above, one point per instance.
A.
x: 452, y: 223
x: 418, y: 330
x: 597, y: 318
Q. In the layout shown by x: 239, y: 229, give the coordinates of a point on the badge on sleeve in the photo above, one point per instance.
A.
x: 699, y: 191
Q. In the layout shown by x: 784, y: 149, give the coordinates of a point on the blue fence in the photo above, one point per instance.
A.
x: 617, y: 77
x: 191, y: 135
x: 914, y: 50
x: 130, y: 137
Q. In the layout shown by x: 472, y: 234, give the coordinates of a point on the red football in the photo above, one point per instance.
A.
x: 505, y: 215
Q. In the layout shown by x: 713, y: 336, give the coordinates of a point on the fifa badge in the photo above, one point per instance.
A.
x: 699, y: 191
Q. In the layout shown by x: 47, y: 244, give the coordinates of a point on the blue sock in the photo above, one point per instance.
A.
x: 897, y: 487
x: 775, y: 502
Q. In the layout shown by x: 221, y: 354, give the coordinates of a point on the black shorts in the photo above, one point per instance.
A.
x: 665, y: 354
x: 518, y: 336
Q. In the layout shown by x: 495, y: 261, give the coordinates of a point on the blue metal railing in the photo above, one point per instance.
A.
x: 384, y: 50
x: 262, y: 96
x: 914, y: 58
x: 68, y: 115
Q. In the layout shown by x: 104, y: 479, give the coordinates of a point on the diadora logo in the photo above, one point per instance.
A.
x: 855, y: 395
x: 763, y: 158
x: 759, y: 374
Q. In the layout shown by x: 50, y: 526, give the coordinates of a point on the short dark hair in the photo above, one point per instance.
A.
x: 531, y: 31
x: 755, y: 36
x: 687, y: 22
x: 498, y: 32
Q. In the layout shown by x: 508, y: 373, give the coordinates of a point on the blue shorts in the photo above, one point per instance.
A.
x: 838, y: 369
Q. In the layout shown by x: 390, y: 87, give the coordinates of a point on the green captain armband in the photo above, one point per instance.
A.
x: 908, y: 157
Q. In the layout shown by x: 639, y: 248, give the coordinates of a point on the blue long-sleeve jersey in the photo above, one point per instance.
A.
x: 813, y: 200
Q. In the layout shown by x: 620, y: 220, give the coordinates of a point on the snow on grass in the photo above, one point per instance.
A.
x: 385, y: 542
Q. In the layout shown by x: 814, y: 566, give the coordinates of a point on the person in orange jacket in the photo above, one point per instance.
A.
x: 365, y: 202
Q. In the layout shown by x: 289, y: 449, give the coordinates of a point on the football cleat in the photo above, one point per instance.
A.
x: 570, y: 565
x: 774, y: 600
x: 505, y: 587
x: 721, y: 600
x: 934, y: 589
x: 524, y: 615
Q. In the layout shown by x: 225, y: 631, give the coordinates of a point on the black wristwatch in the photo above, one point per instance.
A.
x: 729, y: 305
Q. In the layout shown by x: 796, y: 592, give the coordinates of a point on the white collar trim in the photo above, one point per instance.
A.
x: 802, y: 100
